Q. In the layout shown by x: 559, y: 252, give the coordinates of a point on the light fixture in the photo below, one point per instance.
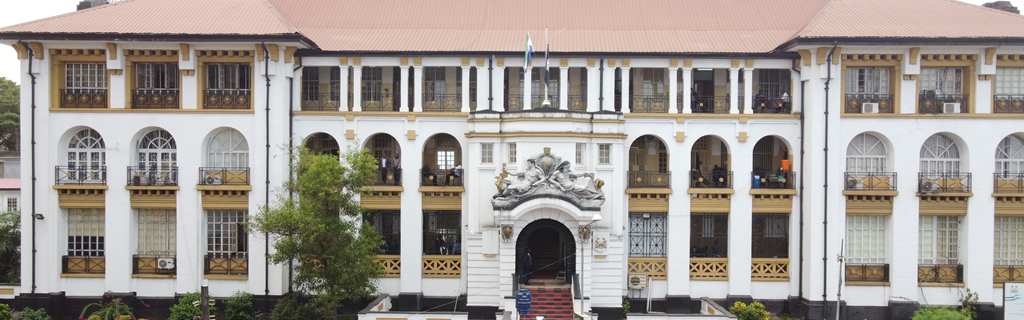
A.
x: 506, y: 232
x: 596, y: 217
x: 38, y: 216
x: 585, y: 232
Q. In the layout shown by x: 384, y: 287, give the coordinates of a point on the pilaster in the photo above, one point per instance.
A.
x: 465, y: 89
x: 734, y: 85
x: 673, y: 89
x: 417, y: 89
x: 687, y: 90
x: 357, y: 86
x: 625, y: 97
x: 563, y: 87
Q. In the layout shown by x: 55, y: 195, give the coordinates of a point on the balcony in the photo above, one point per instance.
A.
x: 769, y: 269
x: 708, y: 104
x: 940, y: 273
x: 577, y: 102
x: 321, y: 102
x: 83, y: 98
x: 514, y: 102
x: 867, y: 273
x: 654, y: 267
x: 775, y: 180
x: 932, y: 103
x: 870, y: 181
x: 86, y: 265
x: 711, y: 179
x: 537, y: 98
x: 442, y: 266
x: 388, y: 177
x: 151, y: 265
x: 228, y: 99
x: 438, y: 177
x: 227, y: 264
x: 649, y: 179
x: 72, y: 175
x: 1008, y: 182
x: 442, y: 103
x: 380, y: 101
x: 152, y: 176
x: 649, y: 103
x: 155, y: 99
x: 1008, y: 103
x: 869, y: 103
x: 771, y: 104
x: 953, y: 182
x: 1002, y: 274
x: 221, y: 176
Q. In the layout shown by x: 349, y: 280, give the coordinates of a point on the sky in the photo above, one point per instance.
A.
x: 28, y: 10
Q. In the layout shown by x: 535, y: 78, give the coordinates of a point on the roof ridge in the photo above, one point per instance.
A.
x: 72, y: 13
x: 814, y: 21
x: 273, y: 10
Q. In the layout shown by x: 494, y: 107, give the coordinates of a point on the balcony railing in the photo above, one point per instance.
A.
x: 537, y: 98
x: 1002, y: 274
x: 1008, y: 182
x: 771, y: 104
x: 649, y: 103
x: 577, y: 102
x: 442, y: 266
x: 931, y: 103
x: 944, y: 182
x: 940, y: 273
x: 1008, y: 103
x: 152, y: 265
x: 379, y: 101
x: 155, y: 99
x: 93, y: 265
x: 388, y: 177
x: 710, y: 179
x: 708, y: 104
x: 83, y: 98
x: 773, y: 180
x: 232, y: 264
x: 152, y: 176
x: 80, y: 175
x: 769, y: 269
x: 855, y: 102
x: 514, y: 103
x: 320, y: 102
x: 238, y: 99
x: 874, y: 181
x: 442, y: 102
x: 438, y: 177
x: 649, y: 179
x: 219, y: 176
x: 867, y: 272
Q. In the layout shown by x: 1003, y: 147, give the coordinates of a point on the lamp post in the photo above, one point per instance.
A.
x: 585, y: 234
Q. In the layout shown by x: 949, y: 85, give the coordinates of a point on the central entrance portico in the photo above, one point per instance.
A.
x: 553, y: 250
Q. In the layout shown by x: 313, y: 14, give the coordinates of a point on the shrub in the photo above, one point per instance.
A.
x: 938, y: 313
x: 625, y: 306
x: 5, y: 312
x: 184, y: 310
x: 29, y: 314
x: 112, y: 310
x: 240, y: 307
x: 124, y: 317
x: 755, y: 311
x: 293, y: 306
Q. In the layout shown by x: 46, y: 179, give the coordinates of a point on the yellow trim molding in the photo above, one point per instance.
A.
x: 225, y: 277
x: 83, y: 275
x: 914, y: 54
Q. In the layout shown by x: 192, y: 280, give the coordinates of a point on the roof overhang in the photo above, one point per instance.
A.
x: 902, y: 41
x: 162, y: 37
x: 654, y: 55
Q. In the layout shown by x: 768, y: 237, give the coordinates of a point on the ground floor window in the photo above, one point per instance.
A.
x: 647, y: 232
x: 227, y: 245
x: 709, y: 235
x: 86, y: 232
x: 865, y: 239
x: 1009, y: 241
x: 939, y: 240
x: 770, y: 235
x: 442, y: 232
x: 386, y: 223
x: 156, y: 237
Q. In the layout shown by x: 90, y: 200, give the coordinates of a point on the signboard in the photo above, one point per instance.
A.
x: 1013, y: 300
x: 524, y: 300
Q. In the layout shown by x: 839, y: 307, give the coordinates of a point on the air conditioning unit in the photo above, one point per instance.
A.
x: 951, y: 107
x: 852, y: 183
x: 928, y: 186
x: 165, y: 263
x: 869, y: 107
x: 637, y: 281
x: 213, y: 179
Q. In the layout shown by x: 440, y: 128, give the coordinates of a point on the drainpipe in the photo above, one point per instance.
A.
x: 490, y: 84
x: 824, y: 224
x: 291, y: 145
x: 600, y: 89
x: 266, y: 244
x: 800, y: 204
x: 31, y: 55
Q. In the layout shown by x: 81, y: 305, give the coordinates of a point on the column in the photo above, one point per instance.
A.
x: 417, y: 89
x: 482, y: 87
x: 794, y: 91
x: 740, y: 220
x: 411, y: 282
x: 687, y: 90
x: 977, y: 255
x: 608, y: 87
x: 465, y: 89
x: 593, y: 89
x: 563, y: 87
x: 673, y: 90
x: 625, y: 90
x: 498, y: 89
x: 734, y: 87
x: 748, y: 87
x: 343, y: 89
x: 357, y: 88
x: 527, y: 88
x: 404, y: 74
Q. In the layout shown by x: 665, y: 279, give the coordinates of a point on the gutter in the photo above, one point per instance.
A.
x: 824, y: 225
x: 266, y: 244
x: 31, y: 55
x: 582, y: 54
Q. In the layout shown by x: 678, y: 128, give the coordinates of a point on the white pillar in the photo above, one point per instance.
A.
x: 593, y: 88
x: 563, y: 87
x: 673, y: 90
x: 734, y: 85
x: 417, y: 89
x: 740, y: 221
x: 625, y: 90
x: 748, y: 87
x: 687, y: 90
x: 403, y: 72
x: 357, y: 88
x: 343, y: 89
x: 498, y: 88
x: 794, y: 91
x: 527, y: 89
x: 411, y: 251
x: 608, y: 86
x: 482, y: 87
x: 465, y: 89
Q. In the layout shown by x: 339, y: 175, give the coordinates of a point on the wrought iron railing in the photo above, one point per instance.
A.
x: 944, y: 182
x: 1002, y: 274
x: 773, y: 180
x: 321, y: 102
x: 867, y: 272
x: 228, y: 99
x: 537, y: 98
x: 885, y: 181
x: 83, y: 98
x: 649, y: 103
x: 388, y: 177
x: 577, y: 102
x: 153, y: 265
x: 155, y: 99
x: 855, y: 102
x: 442, y: 102
x: 379, y: 101
x: 224, y: 176
x: 931, y: 103
x: 1008, y: 103
x: 940, y: 273
x: 226, y: 263
x: 649, y: 179
x: 1008, y: 182
x: 710, y: 179
x: 80, y: 175
x: 439, y: 177
x: 514, y: 102
x: 152, y: 176
x: 93, y: 265
x: 708, y: 104
x: 771, y: 104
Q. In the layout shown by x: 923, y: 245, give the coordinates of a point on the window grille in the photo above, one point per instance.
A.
x: 865, y: 239
x: 156, y: 233
x: 942, y: 80
x: 512, y: 152
x: 653, y: 81
x: 226, y: 236
x: 866, y: 153
x: 156, y: 75
x: 472, y: 84
x: 386, y: 223
x: 709, y: 235
x: 867, y: 80
x: 1010, y: 156
x: 229, y: 76
x: 1009, y: 241
x: 647, y: 231
x: 940, y: 154
x: 604, y: 153
x: 940, y: 240
x: 580, y: 152
x: 372, y: 86
x: 85, y: 76
x: 434, y: 83
x: 1009, y: 81
x: 770, y: 235
x: 228, y: 149
x: 86, y: 232
x: 12, y: 204
x: 442, y: 232
x: 486, y: 153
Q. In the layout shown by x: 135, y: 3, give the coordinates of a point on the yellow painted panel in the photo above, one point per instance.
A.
x: 225, y: 199
x: 382, y: 202
x: 943, y: 206
x: 655, y: 268
x: 710, y: 204
x: 648, y: 203
x: 154, y: 199
x: 773, y: 204
x: 862, y: 204
x: 81, y: 198
x: 7, y: 291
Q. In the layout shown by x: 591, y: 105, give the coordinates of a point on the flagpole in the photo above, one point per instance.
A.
x: 547, y: 70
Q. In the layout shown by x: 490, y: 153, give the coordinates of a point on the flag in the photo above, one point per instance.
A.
x: 529, y: 51
x: 547, y: 62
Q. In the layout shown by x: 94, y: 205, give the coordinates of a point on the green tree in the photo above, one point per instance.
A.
x: 319, y: 227
x: 10, y: 242
x: 9, y: 115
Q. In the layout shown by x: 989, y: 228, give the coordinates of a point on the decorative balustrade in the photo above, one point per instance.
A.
x: 769, y: 269
x: 867, y: 272
x: 577, y: 102
x: 155, y: 99
x: 710, y: 179
x: 388, y: 177
x: 438, y: 177
x: 321, y: 102
x: 442, y: 103
x: 152, y: 176
x: 709, y: 269
x: 940, y: 273
x: 1002, y: 274
x: 771, y: 104
x: 89, y: 265
x: 151, y: 265
x: 228, y: 264
x: 708, y: 104
x: 536, y: 99
x: 65, y: 175
x: 239, y: 99
x: 224, y: 176
x: 874, y: 181
x: 1008, y: 182
x: 649, y: 179
x: 83, y: 98
x: 514, y: 102
x: 649, y: 103
x: 442, y: 266
x: 379, y: 101
x: 876, y: 103
x: 392, y: 265
x: 931, y: 103
x: 654, y: 268
x: 944, y: 182
x: 1008, y: 103
x: 773, y: 180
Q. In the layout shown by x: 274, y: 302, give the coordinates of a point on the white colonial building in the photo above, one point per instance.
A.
x: 729, y: 150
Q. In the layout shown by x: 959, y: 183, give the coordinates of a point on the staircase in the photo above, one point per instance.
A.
x: 551, y: 302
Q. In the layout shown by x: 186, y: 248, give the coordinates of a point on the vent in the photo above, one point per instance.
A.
x: 869, y: 107
x: 951, y: 107
x: 637, y: 281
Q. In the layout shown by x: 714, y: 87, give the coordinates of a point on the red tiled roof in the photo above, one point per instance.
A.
x: 912, y: 19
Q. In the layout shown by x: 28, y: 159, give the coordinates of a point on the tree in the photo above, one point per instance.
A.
x: 10, y: 244
x: 9, y: 115
x: 319, y: 227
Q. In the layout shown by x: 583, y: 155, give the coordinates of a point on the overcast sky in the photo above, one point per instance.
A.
x: 18, y: 11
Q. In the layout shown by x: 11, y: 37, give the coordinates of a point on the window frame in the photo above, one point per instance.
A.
x: 604, y: 153
x: 648, y: 235
x: 930, y: 227
x: 486, y: 153
x: 438, y: 239
x: 227, y: 226
x: 156, y: 236
x: 86, y: 223
x: 1009, y: 251
x: 873, y: 229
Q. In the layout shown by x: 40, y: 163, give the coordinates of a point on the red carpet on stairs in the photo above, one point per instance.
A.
x: 552, y: 303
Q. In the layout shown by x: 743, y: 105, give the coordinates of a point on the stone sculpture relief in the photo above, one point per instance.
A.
x: 547, y: 175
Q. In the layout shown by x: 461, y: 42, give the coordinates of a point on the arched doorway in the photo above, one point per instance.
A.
x: 552, y: 247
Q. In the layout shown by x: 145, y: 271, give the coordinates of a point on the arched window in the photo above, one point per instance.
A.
x: 86, y: 156
x: 939, y: 154
x: 866, y: 153
x: 1010, y: 156
x: 228, y: 149
x: 157, y: 150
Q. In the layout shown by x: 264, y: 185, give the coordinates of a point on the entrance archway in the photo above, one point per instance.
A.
x: 552, y: 247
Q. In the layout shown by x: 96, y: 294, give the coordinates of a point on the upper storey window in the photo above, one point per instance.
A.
x: 942, y: 91
x: 1009, y: 91
x: 80, y: 78
x: 156, y: 86
x: 867, y: 90
x: 228, y: 86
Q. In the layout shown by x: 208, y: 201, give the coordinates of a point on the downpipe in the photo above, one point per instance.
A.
x: 266, y: 192
x: 31, y: 55
x: 291, y: 145
x: 824, y: 225
x: 800, y: 191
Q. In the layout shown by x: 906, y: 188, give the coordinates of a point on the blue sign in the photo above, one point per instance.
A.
x: 524, y: 300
